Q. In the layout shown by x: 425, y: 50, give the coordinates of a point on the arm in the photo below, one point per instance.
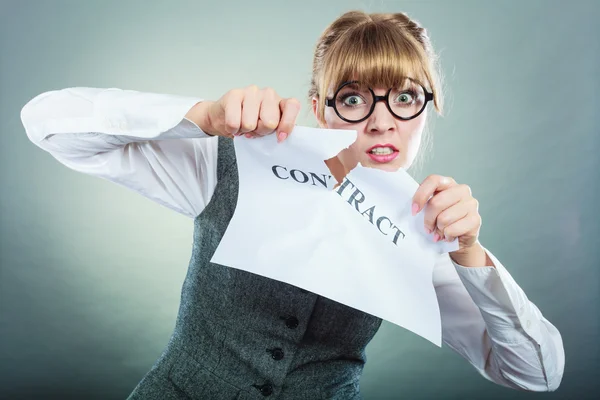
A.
x: 126, y: 137
x: 488, y: 320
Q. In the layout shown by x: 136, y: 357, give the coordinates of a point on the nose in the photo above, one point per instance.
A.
x: 381, y: 120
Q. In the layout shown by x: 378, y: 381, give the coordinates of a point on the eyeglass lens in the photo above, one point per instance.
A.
x: 354, y: 101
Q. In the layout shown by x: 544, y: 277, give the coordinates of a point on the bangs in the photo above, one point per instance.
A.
x: 376, y: 54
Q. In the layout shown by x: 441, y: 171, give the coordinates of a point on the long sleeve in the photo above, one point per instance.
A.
x: 488, y: 320
x: 138, y: 140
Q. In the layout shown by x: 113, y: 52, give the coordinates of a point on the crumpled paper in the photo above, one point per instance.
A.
x: 356, y: 243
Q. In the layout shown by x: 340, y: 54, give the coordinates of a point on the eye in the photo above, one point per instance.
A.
x: 407, y: 97
x: 352, y: 99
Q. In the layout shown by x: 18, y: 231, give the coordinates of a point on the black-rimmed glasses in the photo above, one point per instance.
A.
x: 354, y: 102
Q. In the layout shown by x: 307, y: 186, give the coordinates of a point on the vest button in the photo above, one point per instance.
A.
x: 265, y: 390
x: 291, y: 322
x: 276, y: 354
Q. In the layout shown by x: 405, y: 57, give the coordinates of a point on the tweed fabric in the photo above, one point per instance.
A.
x: 240, y: 335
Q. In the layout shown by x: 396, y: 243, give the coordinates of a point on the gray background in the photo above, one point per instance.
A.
x: 91, y: 273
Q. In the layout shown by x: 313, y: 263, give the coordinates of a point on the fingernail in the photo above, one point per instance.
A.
x: 415, y: 208
x: 248, y: 135
x: 436, y: 237
x: 283, y: 136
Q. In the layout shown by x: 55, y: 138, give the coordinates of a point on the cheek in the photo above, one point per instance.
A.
x: 332, y: 121
x: 413, y: 139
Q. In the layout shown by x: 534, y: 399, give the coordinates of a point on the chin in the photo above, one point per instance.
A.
x: 390, y: 167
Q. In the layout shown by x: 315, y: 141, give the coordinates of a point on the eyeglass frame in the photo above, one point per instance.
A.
x: 385, y: 97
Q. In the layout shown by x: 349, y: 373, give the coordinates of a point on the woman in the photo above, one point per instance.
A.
x: 244, y: 336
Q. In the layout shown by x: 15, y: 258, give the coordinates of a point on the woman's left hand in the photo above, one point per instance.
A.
x: 451, y: 213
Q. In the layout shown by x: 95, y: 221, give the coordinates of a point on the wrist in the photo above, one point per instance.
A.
x: 472, y: 256
x: 199, y: 115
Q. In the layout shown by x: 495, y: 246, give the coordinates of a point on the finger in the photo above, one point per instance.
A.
x: 269, y: 112
x: 430, y: 185
x: 450, y: 215
x: 250, y: 108
x: 438, y: 203
x: 289, y: 112
x: 437, y: 236
x: 463, y: 226
x: 233, y: 111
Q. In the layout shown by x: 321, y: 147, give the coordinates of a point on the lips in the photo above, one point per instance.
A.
x: 377, y: 146
x: 383, y: 153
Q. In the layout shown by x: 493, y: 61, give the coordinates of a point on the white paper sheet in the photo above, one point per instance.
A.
x: 290, y: 224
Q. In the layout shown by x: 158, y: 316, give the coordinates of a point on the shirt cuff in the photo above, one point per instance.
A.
x: 190, y: 129
x: 508, y: 313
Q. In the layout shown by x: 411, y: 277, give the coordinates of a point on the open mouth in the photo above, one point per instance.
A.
x: 383, y: 153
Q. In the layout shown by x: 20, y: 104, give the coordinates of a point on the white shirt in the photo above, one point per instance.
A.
x: 143, y: 142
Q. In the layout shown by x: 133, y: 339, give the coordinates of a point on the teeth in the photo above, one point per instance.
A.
x: 382, y: 150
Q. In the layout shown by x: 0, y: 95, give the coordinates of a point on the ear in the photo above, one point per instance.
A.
x: 315, y: 108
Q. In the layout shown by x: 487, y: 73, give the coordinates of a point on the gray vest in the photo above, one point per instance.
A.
x: 240, y: 335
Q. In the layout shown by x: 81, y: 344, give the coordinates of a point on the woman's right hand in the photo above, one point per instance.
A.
x: 251, y: 111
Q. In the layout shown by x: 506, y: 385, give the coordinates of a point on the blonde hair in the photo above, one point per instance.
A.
x: 379, y: 49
